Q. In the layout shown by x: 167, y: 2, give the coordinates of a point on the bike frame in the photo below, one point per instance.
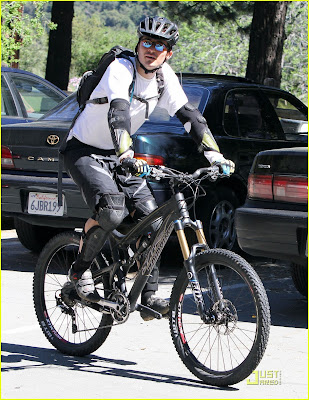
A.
x: 174, y: 215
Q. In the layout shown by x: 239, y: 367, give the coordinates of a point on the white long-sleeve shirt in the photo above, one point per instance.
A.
x: 91, y: 126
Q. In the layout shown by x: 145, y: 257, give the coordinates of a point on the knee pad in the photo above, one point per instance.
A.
x: 110, y: 211
x: 93, y: 242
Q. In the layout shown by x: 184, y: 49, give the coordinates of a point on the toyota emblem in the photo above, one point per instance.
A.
x: 52, y: 139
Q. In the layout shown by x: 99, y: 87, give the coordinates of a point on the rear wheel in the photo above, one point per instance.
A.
x: 300, y: 278
x: 229, y: 346
x: 70, y: 325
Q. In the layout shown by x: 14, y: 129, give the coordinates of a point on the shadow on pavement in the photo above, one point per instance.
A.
x: 38, y: 356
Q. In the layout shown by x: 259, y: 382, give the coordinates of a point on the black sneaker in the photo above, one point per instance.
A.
x: 84, y: 285
x: 156, y: 303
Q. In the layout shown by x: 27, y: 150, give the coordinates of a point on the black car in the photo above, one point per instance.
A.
x: 274, y: 220
x: 244, y: 117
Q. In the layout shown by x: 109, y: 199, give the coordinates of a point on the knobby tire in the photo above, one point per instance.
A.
x: 49, y: 277
x: 227, y: 353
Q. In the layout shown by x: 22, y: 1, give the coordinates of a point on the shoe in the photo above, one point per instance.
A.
x: 84, y: 285
x: 156, y: 303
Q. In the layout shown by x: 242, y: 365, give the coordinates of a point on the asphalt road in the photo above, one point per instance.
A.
x: 138, y: 359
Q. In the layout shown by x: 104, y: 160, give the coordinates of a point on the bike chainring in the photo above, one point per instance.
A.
x: 122, y: 313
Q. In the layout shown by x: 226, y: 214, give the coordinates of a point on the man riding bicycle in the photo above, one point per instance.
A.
x: 100, y: 143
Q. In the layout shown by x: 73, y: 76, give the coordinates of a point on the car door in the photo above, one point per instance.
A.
x: 251, y: 125
x: 292, y: 115
x: 11, y: 112
x: 35, y: 95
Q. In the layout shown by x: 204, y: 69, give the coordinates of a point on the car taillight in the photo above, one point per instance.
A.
x: 260, y: 187
x: 293, y: 189
x: 150, y: 159
x: 7, y: 158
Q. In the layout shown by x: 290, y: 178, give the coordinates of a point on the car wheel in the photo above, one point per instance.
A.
x: 33, y: 237
x: 300, y: 278
x: 219, y: 217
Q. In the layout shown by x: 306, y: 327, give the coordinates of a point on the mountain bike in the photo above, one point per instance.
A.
x: 219, y: 313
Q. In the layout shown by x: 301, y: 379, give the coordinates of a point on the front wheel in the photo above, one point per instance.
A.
x: 69, y: 324
x: 226, y: 348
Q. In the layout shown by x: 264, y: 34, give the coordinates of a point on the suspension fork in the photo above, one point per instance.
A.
x: 189, y: 257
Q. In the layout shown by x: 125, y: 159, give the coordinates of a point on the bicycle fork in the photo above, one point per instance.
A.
x: 189, y: 259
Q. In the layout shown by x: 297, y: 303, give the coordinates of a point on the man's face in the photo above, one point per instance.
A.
x: 150, y: 57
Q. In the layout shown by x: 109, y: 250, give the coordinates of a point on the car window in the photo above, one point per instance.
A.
x: 64, y: 111
x: 194, y: 94
x: 294, y: 122
x: 245, y: 115
x: 67, y: 109
x: 37, y: 97
x: 8, y: 107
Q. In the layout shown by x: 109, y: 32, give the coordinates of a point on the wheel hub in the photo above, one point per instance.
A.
x: 225, y: 315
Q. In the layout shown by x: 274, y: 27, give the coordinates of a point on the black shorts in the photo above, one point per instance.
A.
x: 98, y: 172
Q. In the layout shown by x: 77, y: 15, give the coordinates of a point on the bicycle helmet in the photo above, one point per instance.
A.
x: 159, y: 28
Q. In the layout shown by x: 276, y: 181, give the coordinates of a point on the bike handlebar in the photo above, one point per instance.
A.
x: 162, y: 172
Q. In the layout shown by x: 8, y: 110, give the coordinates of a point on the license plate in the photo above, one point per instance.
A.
x: 44, y: 204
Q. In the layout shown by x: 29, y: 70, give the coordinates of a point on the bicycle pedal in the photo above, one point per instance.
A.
x: 148, y: 310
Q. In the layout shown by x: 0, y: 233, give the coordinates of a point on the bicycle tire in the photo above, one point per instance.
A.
x: 49, y: 277
x: 240, y: 343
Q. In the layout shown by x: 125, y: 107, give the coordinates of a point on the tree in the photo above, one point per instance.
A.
x: 266, y: 34
x: 19, y: 29
x: 267, y: 38
x: 60, y: 40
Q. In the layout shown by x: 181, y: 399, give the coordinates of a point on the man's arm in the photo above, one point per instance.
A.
x: 119, y: 122
x: 196, y: 125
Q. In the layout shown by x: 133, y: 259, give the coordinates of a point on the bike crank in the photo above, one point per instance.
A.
x: 117, y: 305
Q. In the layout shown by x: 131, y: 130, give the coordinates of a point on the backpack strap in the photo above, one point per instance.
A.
x: 160, y: 81
x: 99, y: 100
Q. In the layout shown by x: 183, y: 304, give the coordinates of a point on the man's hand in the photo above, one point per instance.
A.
x: 227, y: 167
x: 136, y: 167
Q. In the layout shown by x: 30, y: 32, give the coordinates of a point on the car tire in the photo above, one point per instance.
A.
x: 33, y: 237
x: 299, y: 275
x: 218, y: 217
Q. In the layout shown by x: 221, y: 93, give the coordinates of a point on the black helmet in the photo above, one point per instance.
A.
x: 159, y: 28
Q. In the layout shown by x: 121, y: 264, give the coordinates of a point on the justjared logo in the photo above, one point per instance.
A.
x: 266, y: 377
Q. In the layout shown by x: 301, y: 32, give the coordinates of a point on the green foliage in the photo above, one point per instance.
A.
x: 19, y: 29
x: 214, y: 41
x: 91, y: 39
x: 295, y: 52
x: 205, y: 47
x: 215, y: 11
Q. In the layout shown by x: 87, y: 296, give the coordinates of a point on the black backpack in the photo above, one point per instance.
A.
x: 91, y: 79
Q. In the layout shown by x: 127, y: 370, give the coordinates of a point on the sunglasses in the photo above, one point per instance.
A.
x: 158, y: 46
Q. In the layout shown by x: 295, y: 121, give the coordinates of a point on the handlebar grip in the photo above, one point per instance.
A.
x: 128, y: 164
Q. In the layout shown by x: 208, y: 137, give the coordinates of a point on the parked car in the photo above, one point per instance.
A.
x: 25, y: 96
x: 273, y: 222
x: 244, y: 117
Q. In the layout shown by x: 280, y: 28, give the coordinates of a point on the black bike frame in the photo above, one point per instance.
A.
x: 174, y: 215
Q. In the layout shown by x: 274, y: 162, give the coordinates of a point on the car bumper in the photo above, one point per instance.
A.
x: 278, y: 234
x: 15, y: 194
